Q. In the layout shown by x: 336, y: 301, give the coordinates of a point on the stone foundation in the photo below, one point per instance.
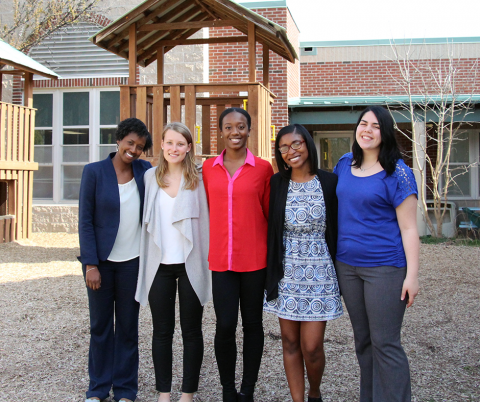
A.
x: 55, y: 218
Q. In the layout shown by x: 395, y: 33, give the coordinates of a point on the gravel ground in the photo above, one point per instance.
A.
x: 44, y: 332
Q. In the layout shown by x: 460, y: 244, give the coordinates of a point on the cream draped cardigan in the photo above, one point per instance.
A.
x: 190, y: 218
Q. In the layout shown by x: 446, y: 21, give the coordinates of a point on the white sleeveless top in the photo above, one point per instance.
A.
x: 127, y: 242
x: 172, y: 242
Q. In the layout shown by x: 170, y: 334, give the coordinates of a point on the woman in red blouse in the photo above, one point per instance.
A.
x: 238, y: 189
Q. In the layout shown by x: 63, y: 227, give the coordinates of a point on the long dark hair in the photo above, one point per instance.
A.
x: 284, y: 171
x: 389, y: 151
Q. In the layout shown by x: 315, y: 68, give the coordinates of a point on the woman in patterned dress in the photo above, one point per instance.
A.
x: 302, y: 287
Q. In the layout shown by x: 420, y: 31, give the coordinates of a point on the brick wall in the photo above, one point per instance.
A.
x: 229, y: 63
x: 373, y: 78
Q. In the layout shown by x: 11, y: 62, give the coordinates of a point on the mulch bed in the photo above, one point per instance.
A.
x: 44, y: 332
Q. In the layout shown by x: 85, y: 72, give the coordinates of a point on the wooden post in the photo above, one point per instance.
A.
x: 256, y: 119
x: 141, y: 108
x: 124, y: 103
x: 266, y: 66
x: 190, y: 109
x: 158, y: 119
x: 252, y: 50
x: 132, y: 55
x: 175, y: 103
x: 206, y: 130
x: 220, y: 140
x: 28, y: 90
x: 160, y: 65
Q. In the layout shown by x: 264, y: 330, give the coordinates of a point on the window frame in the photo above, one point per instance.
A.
x: 57, y: 137
x: 474, y: 156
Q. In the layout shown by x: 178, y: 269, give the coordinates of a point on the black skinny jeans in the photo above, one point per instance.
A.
x: 162, y: 305
x: 231, y: 290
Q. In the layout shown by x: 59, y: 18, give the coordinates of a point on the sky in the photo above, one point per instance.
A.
x: 329, y: 20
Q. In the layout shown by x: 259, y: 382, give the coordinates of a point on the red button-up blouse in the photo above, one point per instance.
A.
x: 238, y: 213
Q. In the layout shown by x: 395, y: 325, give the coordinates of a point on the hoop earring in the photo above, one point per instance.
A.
x: 117, y: 146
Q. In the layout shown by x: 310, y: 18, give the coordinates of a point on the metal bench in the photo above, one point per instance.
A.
x: 474, y: 216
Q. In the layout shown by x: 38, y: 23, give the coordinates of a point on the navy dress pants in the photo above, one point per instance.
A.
x: 372, y: 296
x: 113, y: 355
x: 232, y: 290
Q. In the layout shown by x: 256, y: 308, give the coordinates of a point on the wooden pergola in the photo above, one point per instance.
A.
x: 153, y: 28
x: 17, y: 128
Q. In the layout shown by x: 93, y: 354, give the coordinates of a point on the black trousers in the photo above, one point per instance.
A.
x: 232, y: 290
x: 162, y: 305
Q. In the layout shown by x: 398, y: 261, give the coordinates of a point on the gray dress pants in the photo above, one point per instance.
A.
x: 372, y: 297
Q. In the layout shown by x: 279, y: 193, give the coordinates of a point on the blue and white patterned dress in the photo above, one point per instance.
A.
x: 309, y: 288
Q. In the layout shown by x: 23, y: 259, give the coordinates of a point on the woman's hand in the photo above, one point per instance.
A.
x: 93, y: 278
x: 410, y: 290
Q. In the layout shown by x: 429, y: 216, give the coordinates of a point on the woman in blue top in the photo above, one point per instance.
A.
x: 377, y: 253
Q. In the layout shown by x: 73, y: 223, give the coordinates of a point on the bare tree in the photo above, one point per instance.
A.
x: 34, y: 20
x: 439, y: 93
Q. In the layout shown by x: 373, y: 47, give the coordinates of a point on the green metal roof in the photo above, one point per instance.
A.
x: 388, y: 42
x: 13, y: 57
x: 335, y: 101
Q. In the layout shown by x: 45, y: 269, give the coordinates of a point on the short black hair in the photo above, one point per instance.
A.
x: 389, y: 150
x: 134, y: 125
x: 238, y: 110
x: 309, y: 143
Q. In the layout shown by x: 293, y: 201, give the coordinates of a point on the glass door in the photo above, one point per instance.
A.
x: 331, y: 147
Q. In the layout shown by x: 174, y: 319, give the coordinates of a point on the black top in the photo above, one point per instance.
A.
x: 276, y: 222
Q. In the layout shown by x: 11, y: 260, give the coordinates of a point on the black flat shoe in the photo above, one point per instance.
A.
x: 310, y: 399
x: 244, y: 398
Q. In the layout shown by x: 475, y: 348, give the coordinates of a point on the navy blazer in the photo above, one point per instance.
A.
x: 99, y: 207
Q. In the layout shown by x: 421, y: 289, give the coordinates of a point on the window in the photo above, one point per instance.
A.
x: 72, y: 128
x: 331, y: 147
x: 465, y: 151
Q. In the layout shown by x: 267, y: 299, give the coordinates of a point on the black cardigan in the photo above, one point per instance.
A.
x: 276, y: 221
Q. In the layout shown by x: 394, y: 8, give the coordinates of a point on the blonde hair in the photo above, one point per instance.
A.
x: 190, y: 171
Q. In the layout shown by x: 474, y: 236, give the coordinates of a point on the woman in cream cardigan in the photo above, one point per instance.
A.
x: 174, y: 249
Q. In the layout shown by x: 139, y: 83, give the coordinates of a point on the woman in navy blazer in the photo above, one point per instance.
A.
x: 110, y: 211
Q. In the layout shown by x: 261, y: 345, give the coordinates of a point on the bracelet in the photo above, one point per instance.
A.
x: 91, y: 269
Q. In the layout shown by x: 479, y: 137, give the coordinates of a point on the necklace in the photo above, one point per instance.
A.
x: 363, y: 170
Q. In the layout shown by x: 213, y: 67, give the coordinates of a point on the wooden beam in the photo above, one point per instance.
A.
x: 28, y: 90
x: 167, y: 26
x: 206, y: 130
x: 252, y: 50
x: 124, y: 103
x: 15, y: 165
x: 158, y: 119
x: 160, y: 65
x: 205, y: 9
x: 141, y: 107
x: 12, y: 72
x: 266, y: 66
x: 140, y: 10
x: 175, y: 105
x: 149, y: 17
x: 220, y: 140
x: 31, y: 70
x: 132, y: 54
x: 252, y: 108
x: 203, y: 41
x: 190, y: 109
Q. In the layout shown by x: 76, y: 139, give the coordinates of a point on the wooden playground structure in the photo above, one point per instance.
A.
x: 147, y: 32
x: 17, y: 129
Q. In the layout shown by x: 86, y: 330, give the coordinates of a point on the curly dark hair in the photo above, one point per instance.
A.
x: 134, y: 125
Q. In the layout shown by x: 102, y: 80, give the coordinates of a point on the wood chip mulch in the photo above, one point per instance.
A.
x: 44, y: 332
